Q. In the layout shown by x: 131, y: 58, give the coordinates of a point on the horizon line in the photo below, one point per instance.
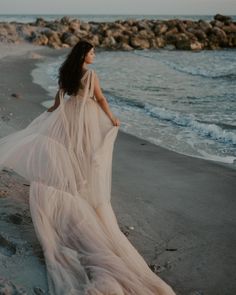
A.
x: 114, y: 14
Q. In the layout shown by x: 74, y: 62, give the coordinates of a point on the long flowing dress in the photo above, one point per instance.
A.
x: 66, y: 155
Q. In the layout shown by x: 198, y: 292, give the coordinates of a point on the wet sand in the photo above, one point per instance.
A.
x: 178, y: 211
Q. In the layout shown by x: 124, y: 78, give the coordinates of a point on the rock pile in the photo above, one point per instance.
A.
x: 125, y: 34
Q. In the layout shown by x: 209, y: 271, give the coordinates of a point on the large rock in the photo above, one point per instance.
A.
x: 25, y: 31
x: 108, y: 42
x: 94, y: 28
x: 84, y: 26
x: 9, y: 34
x: 201, y: 35
x: 55, y: 45
x: 102, y: 27
x: 195, y: 45
x: 222, y: 37
x: 217, y: 23
x: 65, y: 20
x: 160, y: 42
x: 213, y: 45
x: 172, y: 31
x: 146, y: 34
x: 125, y: 47
x: 130, y: 22
x: 74, y: 25
x: 183, y: 42
x: 222, y: 18
x: 204, y: 26
x: 39, y: 39
x: 3, y: 32
x: 160, y: 29
x: 213, y: 41
x: 189, y: 23
x: 80, y: 33
x: 51, y: 35
x: 181, y: 27
x: 57, y: 27
x: 40, y: 22
x: 143, y: 25
x: 139, y: 43
x: 122, y: 39
x: 229, y: 29
x: 134, y: 29
x: 191, y: 34
x: 69, y: 38
x: 93, y: 39
x: 171, y: 36
x: 108, y: 33
x: 232, y: 40
x: 54, y: 40
x: 172, y: 23
x: 10, y: 28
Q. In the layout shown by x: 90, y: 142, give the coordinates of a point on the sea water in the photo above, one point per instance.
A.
x: 181, y: 100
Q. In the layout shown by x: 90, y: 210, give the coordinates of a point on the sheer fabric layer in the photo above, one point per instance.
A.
x: 67, y: 157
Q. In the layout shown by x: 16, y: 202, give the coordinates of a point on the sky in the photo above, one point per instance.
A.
x: 196, y: 7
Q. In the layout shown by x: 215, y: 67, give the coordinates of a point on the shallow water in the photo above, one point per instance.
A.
x: 181, y: 100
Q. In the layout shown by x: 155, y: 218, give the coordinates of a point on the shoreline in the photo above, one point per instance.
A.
x: 227, y: 161
x: 37, y: 54
x: 163, y: 200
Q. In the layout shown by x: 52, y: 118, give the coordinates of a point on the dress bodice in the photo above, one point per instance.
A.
x: 88, y: 77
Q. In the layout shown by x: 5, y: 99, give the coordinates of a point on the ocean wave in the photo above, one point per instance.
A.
x: 119, y: 100
x: 155, y: 88
x: 205, y: 129
x: 194, y: 71
x: 214, y: 69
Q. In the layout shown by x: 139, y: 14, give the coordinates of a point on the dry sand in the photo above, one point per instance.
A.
x: 178, y: 211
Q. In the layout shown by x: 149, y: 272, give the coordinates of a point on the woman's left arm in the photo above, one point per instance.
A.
x: 56, y: 103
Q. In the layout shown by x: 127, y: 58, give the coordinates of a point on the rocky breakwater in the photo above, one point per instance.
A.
x: 125, y: 34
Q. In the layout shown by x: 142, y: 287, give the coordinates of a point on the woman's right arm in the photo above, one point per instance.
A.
x: 102, y: 101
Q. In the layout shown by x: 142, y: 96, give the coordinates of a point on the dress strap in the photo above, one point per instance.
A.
x: 91, y: 83
x: 61, y: 95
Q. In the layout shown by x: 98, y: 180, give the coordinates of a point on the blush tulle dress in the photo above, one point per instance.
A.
x: 66, y: 155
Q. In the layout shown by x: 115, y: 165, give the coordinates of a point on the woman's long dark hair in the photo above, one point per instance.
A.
x: 70, y: 72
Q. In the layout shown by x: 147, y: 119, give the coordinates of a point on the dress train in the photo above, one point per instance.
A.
x: 66, y: 155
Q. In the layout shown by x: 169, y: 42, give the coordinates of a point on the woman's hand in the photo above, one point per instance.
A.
x: 51, y: 109
x: 115, y: 121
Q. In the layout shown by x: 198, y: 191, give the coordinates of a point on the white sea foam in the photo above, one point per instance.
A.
x: 180, y: 119
x: 155, y: 102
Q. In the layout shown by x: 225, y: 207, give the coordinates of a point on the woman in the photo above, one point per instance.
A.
x: 66, y: 154
x: 66, y: 72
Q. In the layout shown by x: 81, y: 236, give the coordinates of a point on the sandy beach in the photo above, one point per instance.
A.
x: 178, y: 211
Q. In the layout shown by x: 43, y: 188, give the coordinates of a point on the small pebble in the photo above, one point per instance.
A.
x: 17, y: 95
